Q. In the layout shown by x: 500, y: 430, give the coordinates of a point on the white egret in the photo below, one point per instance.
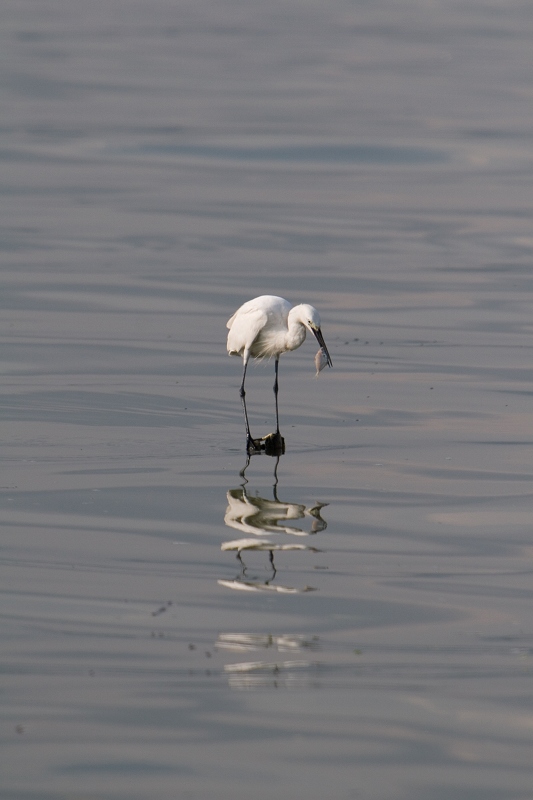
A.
x: 266, y: 327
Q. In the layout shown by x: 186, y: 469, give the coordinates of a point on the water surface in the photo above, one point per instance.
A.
x: 161, y: 165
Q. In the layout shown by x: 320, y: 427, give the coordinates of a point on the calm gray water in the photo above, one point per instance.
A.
x: 161, y: 163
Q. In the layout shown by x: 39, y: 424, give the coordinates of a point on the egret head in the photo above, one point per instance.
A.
x: 309, y: 316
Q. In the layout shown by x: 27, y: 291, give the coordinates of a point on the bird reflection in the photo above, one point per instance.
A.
x: 255, y: 516
x: 287, y: 642
x: 273, y: 673
x: 259, y: 514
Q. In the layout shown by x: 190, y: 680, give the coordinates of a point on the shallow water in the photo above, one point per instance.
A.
x: 161, y: 165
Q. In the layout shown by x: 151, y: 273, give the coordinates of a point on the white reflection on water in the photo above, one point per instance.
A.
x: 261, y: 674
x: 257, y: 641
x: 263, y: 545
x: 252, y: 513
x: 263, y: 586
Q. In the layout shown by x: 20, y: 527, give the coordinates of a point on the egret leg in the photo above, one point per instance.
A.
x: 276, y: 365
x: 250, y: 446
x: 274, y: 442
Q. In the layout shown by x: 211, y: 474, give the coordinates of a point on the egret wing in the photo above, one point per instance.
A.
x: 244, y: 327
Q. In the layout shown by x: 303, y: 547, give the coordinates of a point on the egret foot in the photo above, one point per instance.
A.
x: 254, y: 446
x: 274, y: 444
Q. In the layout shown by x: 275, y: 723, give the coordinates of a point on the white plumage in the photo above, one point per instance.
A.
x: 266, y: 327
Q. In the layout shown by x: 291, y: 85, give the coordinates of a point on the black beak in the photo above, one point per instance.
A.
x: 321, y: 342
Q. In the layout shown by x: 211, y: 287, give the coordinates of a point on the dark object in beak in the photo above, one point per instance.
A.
x: 321, y: 342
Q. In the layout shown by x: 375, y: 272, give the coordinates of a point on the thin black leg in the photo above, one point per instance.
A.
x: 249, y: 440
x: 274, y: 442
x: 276, y: 393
